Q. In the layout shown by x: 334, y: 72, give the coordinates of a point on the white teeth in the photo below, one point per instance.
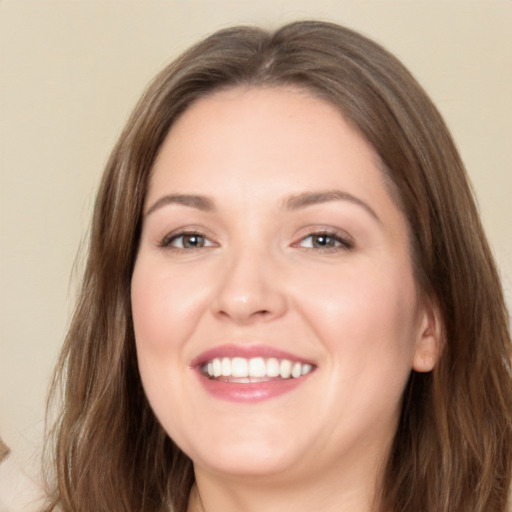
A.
x: 250, y: 370
x: 306, y: 368
x: 286, y: 369
x: 217, y: 369
x: 239, y: 367
x: 226, y: 367
x: 272, y: 367
x: 296, y: 370
x: 257, y: 367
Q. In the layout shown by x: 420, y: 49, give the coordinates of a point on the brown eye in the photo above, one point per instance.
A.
x: 186, y: 241
x: 325, y: 241
x: 320, y: 241
x: 192, y: 241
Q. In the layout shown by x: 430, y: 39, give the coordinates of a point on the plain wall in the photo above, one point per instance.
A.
x: 70, y: 72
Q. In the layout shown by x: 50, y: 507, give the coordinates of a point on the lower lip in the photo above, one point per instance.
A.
x: 252, y: 391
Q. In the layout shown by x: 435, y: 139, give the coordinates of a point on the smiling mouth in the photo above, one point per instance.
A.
x: 256, y: 369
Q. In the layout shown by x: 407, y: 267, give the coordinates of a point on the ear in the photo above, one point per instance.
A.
x: 429, y: 341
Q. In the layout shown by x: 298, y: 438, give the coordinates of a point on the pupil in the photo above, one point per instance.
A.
x: 192, y: 241
x: 323, y: 241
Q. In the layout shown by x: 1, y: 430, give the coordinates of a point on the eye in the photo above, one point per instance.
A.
x: 186, y: 240
x: 325, y: 241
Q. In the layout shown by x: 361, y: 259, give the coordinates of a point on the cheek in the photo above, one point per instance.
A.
x: 151, y: 320
x: 162, y: 320
x: 364, y: 313
x: 160, y: 326
x: 164, y: 309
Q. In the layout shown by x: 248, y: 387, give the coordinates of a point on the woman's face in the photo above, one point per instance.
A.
x: 270, y: 245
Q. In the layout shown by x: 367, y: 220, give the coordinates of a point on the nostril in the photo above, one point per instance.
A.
x: 254, y: 314
x: 246, y: 294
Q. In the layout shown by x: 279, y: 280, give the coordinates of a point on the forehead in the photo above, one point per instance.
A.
x: 264, y: 132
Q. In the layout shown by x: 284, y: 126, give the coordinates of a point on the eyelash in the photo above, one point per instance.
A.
x: 168, y: 240
x: 332, y: 240
x: 338, y: 242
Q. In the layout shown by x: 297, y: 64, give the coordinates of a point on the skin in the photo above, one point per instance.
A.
x: 259, y: 275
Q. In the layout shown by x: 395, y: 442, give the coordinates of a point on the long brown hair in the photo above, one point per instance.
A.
x: 453, y: 448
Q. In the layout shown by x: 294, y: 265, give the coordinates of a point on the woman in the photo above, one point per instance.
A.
x: 289, y: 301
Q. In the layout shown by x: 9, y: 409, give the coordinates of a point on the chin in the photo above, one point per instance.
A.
x: 246, y: 454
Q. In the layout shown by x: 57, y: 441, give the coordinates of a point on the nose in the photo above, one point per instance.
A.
x: 250, y: 289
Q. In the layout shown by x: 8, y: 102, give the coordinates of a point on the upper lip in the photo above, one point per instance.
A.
x: 247, y: 352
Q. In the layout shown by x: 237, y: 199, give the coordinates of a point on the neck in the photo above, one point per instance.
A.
x: 350, y: 492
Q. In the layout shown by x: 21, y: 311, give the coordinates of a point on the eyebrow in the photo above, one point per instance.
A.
x: 194, y: 201
x: 299, y: 201
x: 294, y: 202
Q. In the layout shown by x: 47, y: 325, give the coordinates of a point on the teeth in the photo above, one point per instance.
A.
x: 239, y: 367
x: 257, y: 367
x: 306, y: 368
x: 272, y: 367
x: 286, y: 368
x: 250, y: 370
x: 217, y: 368
x: 226, y: 367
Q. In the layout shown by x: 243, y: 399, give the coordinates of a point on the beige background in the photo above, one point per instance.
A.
x: 70, y: 71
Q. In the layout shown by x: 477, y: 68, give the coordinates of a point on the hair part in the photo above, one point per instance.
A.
x: 453, y: 448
